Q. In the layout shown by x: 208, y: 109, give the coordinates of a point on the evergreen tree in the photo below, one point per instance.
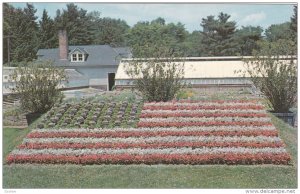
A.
x: 159, y: 20
x: 293, y: 25
x: 247, y: 38
x: 21, y: 25
x: 110, y: 31
x: 219, y: 35
x: 210, y: 35
x: 77, y: 24
x: 47, y: 32
x: 29, y: 39
x: 277, y: 32
x: 7, y: 30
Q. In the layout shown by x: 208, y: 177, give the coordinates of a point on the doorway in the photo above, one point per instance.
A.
x: 111, y: 81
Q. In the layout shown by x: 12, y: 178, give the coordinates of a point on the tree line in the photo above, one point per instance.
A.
x: 24, y: 34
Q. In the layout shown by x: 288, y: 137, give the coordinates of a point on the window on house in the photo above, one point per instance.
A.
x: 77, y: 57
x: 80, y: 58
x: 74, y: 57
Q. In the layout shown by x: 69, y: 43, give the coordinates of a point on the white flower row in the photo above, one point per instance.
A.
x: 205, y: 119
x: 204, y: 111
x: 158, y: 129
x: 186, y: 150
x: 201, y: 104
x: 259, y: 139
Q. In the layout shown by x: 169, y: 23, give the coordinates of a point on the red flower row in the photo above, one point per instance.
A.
x: 125, y: 134
x: 211, y: 101
x: 226, y: 158
x: 148, y: 145
x: 195, y: 114
x: 208, y: 107
x: 211, y: 123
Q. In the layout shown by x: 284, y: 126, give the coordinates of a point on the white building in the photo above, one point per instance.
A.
x: 201, y: 72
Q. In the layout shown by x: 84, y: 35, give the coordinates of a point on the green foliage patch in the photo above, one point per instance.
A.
x: 91, y: 113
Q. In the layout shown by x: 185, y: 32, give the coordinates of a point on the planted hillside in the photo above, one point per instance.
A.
x: 179, y: 132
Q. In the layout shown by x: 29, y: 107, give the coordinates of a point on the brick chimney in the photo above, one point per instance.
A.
x: 63, y: 45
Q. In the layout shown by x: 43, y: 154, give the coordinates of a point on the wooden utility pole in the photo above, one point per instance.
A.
x: 8, y: 48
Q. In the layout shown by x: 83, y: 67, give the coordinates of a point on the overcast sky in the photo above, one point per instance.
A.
x: 188, y: 14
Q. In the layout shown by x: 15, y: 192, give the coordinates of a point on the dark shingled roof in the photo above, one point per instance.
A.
x: 98, y: 55
x: 72, y: 74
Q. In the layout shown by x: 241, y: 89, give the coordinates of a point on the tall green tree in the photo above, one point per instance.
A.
x: 293, y: 25
x: 146, y: 37
x: 110, y: 31
x: 277, y: 32
x: 193, y: 43
x: 219, y: 35
x: 21, y: 25
x: 77, y: 24
x: 159, y: 20
x: 47, y: 32
x: 28, y: 41
x: 247, y: 38
x: 7, y: 30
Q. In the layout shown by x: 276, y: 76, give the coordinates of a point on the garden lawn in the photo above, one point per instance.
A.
x: 152, y: 176
x: 11, y: 138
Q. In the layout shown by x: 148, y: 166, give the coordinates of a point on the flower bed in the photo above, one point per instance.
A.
x: 205, y: 107
x: 216, y: 132
x: 86, y: 114
x: 199, y: 114
x: 247, y: 158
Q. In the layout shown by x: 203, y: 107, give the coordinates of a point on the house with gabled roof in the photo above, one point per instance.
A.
x: 97, y: 63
